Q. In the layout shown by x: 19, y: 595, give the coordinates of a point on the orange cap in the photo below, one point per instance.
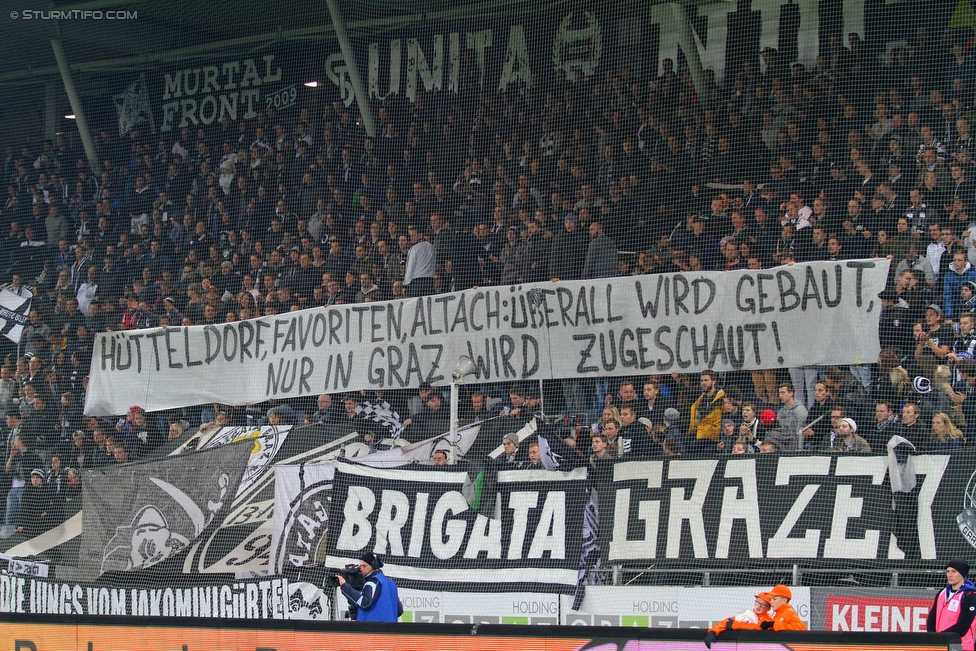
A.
x: 765, y: 596
x: 781, y: 591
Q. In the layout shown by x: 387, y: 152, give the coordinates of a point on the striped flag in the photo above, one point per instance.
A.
x: 14, y: 310
x: 550, y: 460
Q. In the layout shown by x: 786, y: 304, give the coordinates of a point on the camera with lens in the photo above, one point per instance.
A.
x: 349, y: 572
x: 353, y: 576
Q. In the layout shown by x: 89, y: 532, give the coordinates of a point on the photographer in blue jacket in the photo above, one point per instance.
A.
x: 378, y: 601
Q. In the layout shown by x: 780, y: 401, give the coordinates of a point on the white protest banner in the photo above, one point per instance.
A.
x: 814, y: 313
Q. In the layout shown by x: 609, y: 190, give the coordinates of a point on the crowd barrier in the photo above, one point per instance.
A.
x: 849, y: 610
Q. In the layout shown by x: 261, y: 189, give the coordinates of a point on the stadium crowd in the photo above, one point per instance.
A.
x: 867, y: 155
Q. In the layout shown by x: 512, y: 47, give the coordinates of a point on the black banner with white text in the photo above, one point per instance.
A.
x: 826, y: 510
x: 419, y: 522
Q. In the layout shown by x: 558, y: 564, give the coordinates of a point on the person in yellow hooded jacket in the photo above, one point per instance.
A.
x: 706, y: 415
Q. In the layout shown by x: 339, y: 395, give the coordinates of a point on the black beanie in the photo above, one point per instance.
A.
x: 375, y: 563
x: 958, y: 565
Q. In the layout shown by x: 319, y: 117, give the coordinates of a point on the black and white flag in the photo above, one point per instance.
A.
x: 14, y: 311
x: 301, y: 514
x: 133, y: 107
x: 382, y: 414
x: 550, y: 460
x: 421, y: 451
x: 141, y: 514
x: 554, y: 452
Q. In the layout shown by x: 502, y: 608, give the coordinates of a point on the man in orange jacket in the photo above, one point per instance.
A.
x: 784, y: 617
x: 746, y: 620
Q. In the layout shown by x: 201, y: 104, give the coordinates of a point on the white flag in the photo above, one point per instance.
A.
x: 421, y: 451
x: 550, y: 460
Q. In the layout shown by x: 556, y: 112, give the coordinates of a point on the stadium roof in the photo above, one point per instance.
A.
x: 158, y: 35
x: 154, y: 33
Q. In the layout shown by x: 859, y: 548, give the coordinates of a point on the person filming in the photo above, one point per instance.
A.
x: 378, y: 601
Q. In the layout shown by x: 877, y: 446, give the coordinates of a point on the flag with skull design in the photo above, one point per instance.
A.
x: 142, y: 514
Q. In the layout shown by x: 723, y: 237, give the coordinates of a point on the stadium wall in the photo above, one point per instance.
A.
x: 81, y: 634
x: 277, y: 599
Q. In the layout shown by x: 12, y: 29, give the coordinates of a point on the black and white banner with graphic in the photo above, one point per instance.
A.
x: 134, y: 108
x: 381, y: 413
x: 164, y: 518
x: 266, y: 443
x: 14, y: 311
x: 620, y: 326
x: 139, y: 515
x: 242, y: 542
x: 422, y: 526
x: 510, y: 54
x: 301, y: 514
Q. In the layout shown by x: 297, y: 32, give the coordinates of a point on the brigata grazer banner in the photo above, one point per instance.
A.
x: 814, y: 510
x: 422, y: 526
x: 816, y: 313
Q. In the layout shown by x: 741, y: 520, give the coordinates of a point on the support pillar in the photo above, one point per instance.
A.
x: 687, y: 42
x: 455, y: 399
x: 349, y: 54
x: 77, y: 108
